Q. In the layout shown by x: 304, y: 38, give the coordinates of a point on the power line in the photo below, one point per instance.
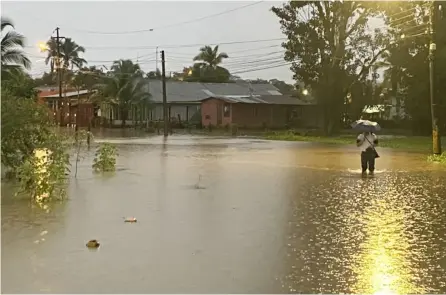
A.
x: 178, y: 45
x: 240, y: 69
x: 407, y: 10
x: 168, y: 26
x: 231, y: 52
x: 261, y: 69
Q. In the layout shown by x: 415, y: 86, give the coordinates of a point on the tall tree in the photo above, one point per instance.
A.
x: 207, y: 67
x: 70, y: 54
x: 13, y: 58
x: 408, y: 63
x: 330, y: 49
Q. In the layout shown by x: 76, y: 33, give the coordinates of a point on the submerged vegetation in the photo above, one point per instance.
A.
x: 437, y: 158
x: 105, y: 158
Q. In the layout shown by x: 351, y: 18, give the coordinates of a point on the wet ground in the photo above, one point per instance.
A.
x: 234, y: 216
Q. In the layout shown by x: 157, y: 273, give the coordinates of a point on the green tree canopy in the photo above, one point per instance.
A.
x: 207, y: 66
x: 329, y: 49
x: 125, y: 87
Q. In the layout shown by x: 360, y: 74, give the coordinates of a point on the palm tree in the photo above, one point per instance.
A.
x: 208, y: 65
x: 51, y: 58
x: 69, y: 54
x: 126, y: 87
x: 126, y: 69
x: 209, y: 57
x: 13, y: 58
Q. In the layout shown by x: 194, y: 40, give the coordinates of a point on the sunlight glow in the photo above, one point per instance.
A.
x: 42, y: 46
x: 383, y: 267
x: 42, y: 163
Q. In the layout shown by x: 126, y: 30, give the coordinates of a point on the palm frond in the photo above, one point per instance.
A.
x: 17, y: 57
x: 11, y: 40
x: 6, y: 22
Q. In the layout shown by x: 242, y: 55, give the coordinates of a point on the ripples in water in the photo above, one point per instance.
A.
x: 382, y: 236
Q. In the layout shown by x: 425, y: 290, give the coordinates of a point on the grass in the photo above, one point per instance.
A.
x: 437, y: 158
x: 409, y: 143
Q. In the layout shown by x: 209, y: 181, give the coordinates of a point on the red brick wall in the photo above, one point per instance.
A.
x: 209, y: 112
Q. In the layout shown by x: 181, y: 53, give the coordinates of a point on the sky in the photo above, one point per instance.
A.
x: 180, y: 28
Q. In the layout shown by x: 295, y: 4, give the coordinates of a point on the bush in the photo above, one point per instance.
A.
x: 32, y: 152
x: 105, y: 158
x: 437, y: 158
x: 42, y: 175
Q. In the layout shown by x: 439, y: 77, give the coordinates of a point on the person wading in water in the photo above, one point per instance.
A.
x: 366, y: 142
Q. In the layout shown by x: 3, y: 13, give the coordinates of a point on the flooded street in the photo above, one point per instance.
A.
x: 219, y: 215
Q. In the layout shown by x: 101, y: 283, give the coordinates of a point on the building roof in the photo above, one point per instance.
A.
x: 261, y: 99
x: 67, y: 94
x: 195, y: 92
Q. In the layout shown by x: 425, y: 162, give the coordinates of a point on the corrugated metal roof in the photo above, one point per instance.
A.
x: 178, y: 92
x: 263, y: 99
x: 67, y: 94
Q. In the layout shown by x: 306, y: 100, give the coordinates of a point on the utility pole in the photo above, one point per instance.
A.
x: 59, y: 76
x: 163, y: 76
x: 436, y: 135
x: 156, y: 62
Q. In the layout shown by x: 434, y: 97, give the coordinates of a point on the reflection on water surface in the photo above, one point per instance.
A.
x: 270, y: 217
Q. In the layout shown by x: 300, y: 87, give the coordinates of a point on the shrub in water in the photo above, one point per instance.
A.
x: 105, y: 158
x: 438, y: 158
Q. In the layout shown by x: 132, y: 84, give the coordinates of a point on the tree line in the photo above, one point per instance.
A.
x: 332, y: 50
x: 335, y: 53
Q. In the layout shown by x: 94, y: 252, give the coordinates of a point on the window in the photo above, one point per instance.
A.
x: 227, y: 110
x: 255, y: 111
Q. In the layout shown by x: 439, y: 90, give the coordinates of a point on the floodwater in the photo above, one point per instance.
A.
x: 218, y: 215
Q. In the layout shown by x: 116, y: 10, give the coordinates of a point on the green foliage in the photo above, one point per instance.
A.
x: 330, y: 51
x: 125, y: 87
x: 105, y: 158
x: 25, y: 126
x: 207, y: 69
x: 437, y: 158
x: 70, y: 54
x: 43, y: 178
x: 46, y: 79
x: 411, y: 143
x: 19, y: 84
x: 407, y: 63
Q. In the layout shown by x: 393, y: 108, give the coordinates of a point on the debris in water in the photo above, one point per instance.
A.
x: 43, y: 232
x: 130, y: 219
x: 92, y: 244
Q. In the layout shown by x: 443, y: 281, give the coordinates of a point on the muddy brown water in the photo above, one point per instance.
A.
x: 263, y: 217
